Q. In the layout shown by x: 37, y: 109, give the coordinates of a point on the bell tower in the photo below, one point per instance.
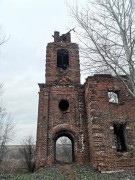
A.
x: 61, y: 110
x: 62, y: 60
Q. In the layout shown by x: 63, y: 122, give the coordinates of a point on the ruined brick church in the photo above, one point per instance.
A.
x: 98, y: 116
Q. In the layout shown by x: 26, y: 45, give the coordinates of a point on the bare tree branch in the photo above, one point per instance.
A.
x: 6, y: 128
x: 106, y: 29
x: 27, y: 149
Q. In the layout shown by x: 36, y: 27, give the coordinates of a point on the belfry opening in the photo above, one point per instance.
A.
x: 63, y: 59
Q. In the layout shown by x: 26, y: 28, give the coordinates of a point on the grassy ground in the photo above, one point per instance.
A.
x: 72, y: 172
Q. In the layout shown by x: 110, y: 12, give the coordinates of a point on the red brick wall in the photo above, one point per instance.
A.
x: 101, y: 116
x: 55, y: 74
x: 52, y: 120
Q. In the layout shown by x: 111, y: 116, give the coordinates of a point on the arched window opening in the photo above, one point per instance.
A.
x: 64, y: 150
x: 63, y: 59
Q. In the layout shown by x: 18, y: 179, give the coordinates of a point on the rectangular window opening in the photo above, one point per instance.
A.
x: 119, y: 133
x: 113, y: 97
x: 63, y: 59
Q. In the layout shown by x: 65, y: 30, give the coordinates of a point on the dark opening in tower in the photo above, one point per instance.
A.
x: 63, y: 105
x: 63, y: 59
x: 119, y: 132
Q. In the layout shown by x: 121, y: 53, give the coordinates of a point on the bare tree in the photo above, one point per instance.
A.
x: 28, y: 151
x: 6, y: 123
x: 64, y: 149
x: 66, y: 146
x: 3, y: 39
x: 107, y: 34
x: 6, y: 128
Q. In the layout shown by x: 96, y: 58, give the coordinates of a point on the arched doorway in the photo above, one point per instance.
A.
x: 64, y: 147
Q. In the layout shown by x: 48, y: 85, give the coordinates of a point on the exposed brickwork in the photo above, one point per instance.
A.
x: 101, y: 116
x: 57, y: 75
x: 52, y: 122
x: 89, y: 120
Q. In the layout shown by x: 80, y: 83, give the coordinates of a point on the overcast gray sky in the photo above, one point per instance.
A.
x: 29, y: 25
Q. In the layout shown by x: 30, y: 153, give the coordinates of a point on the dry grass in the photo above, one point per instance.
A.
x: 72, y: 172
x: 11, y: 166
x: 68, y: 172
